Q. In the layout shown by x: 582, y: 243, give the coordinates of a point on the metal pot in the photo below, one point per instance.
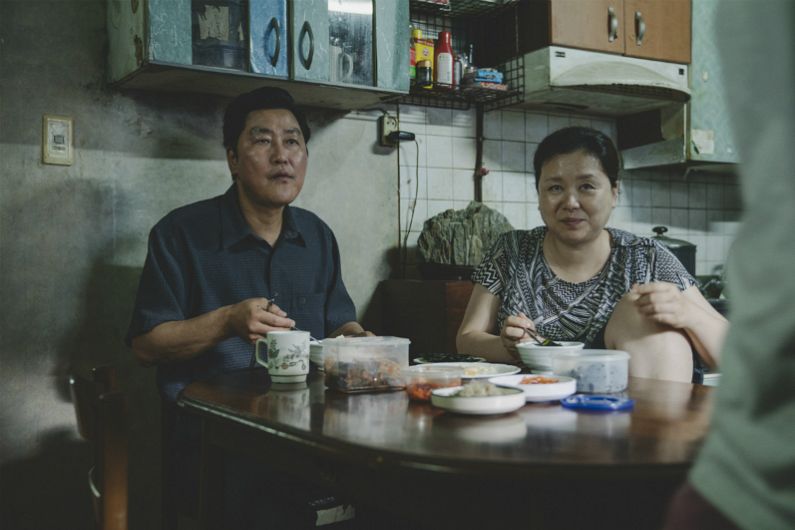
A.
x: 683, y: 250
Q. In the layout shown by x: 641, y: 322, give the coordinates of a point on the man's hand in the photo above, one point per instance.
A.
x: 253, y: 318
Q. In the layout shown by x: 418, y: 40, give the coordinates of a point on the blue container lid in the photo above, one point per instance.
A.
x: 597, y: 402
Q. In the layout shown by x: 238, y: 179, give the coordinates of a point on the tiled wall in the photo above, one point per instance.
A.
x: 702, y: 208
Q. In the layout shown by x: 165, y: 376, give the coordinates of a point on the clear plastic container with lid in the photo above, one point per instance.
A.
x: 421, y: 379
x: 365, y: 364
x: 596, y: 371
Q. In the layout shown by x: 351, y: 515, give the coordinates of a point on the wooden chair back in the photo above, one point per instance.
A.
x: 101, y: 411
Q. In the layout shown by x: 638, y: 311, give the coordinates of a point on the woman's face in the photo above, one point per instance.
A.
x: 575, y: 197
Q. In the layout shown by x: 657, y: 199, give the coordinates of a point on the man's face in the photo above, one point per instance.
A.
x: 271, y: 159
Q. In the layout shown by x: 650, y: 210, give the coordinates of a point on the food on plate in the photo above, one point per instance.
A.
x: 480, y: 369
x: 422, y: 391
x: 538, y: 380
x: 479, y: 389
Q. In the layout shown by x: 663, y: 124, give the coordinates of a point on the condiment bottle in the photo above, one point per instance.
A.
x: 443, y: 63
x: 424, y: 77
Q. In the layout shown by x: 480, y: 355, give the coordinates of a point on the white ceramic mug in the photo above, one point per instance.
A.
x: 285, y: 354
x: 340, y: 65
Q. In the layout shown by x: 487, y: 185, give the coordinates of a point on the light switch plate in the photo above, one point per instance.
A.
x: 57, y: 142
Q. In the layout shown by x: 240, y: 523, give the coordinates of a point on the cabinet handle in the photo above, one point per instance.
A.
x: 277, y: 30
x: 612, y: 24
x: 306, y: 29
x: 640, y: 28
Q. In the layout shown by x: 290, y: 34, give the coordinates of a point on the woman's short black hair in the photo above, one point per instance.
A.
x: 260, y: 99
x: 571, y: 139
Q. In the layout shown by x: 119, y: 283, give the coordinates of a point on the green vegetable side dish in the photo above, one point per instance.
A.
x: 449, y: 358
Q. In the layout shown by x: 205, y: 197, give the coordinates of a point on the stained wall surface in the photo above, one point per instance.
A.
x: 73, y: 240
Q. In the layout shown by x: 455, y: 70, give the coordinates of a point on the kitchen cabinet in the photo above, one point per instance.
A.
x: 648, y: 29
x: 329, y: 53
x: 697, y: 134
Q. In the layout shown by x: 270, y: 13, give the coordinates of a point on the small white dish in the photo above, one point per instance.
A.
x: 483, y: 370
x: 539, y: 358
x: 447, y: 399
x: 537, y: 392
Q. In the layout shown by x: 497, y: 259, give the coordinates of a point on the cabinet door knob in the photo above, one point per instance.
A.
x: 306, y: 30
x: 612, y: 24
x: 640, y: 28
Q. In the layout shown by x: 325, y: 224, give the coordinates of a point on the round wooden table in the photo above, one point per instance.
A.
x: 542, y: 466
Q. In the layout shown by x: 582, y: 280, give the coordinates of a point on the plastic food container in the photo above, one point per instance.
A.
x: 596, y: 371
x: 316, y: 354
x: 423, y: 378
x: 365, y: 364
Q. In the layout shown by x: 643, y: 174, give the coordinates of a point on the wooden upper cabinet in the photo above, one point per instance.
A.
x: 658, y: 29
x: 591, y: 24
x: 650, y: 29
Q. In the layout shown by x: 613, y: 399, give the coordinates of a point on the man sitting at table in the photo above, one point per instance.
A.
x: 223, y: 272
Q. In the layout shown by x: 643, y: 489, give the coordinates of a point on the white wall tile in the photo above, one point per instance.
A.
x: 439, y: 122
x: 492, y: 125
x: 440, y: 151
x: 513, y: 126
x: 414, y: 115
x: 513, y: 156
x: 697, y: 220
x: 580, y: 121
x: 464, y: 123
x: 536, y: 127
x: 437, y: 207
x: 558, y: 122
x: 679, y: 195
x: 464, y: 153
x: 492, y: 154
x: 463, y: 185
x: 516, y: 213
x: 704, y: 210
x: 696, y: 195
x: 412, y: 182
x: 529, y: 154
x: 533, y: 217
x: 514, y: 187
x: 661, y: 194
x: 440, y: 183
x: 492, y: 187
x: 641, y: 193
x: 715, y: 196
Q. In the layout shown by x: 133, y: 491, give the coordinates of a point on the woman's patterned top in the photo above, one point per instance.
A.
x: 515, y: 270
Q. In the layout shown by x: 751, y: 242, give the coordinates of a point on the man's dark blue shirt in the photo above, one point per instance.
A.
x: 204, y: 256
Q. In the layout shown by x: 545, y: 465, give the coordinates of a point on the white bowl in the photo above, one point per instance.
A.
x: 539, y: 358
x: 447, y: 399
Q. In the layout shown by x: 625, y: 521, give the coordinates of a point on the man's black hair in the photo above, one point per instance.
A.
x: 260, y: 99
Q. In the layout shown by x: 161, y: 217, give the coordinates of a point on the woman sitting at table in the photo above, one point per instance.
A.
x: 575, y: 279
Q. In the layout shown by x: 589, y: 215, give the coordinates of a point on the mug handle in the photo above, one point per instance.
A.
x: 258, y: 353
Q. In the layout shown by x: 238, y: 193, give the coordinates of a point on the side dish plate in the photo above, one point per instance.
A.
x: 540, y: 391
x: 447, y: 399
x: 483, y: 370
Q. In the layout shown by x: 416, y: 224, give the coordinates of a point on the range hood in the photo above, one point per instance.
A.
x: 595, y: 83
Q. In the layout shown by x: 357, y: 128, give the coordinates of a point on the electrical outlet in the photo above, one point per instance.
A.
x: 387, y: 124
x: 57, y: 142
